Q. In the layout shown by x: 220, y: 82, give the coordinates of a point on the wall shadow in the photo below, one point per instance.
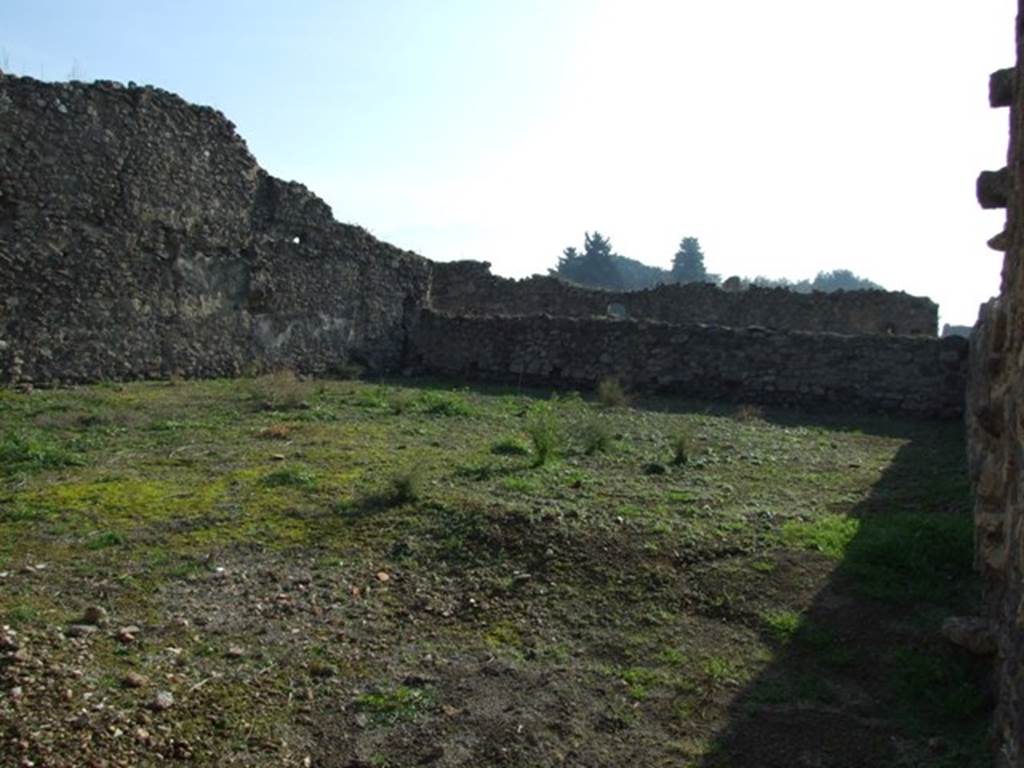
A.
x: 865, y: 678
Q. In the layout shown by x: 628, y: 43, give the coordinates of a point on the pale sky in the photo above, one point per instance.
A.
x: 790, y: 136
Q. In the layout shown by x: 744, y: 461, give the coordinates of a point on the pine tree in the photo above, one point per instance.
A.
x: 688, y: 263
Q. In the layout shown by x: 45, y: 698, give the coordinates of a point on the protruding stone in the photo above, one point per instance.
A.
x: 1000, y: 242
x: 1001, y: 85
x: 163, y: 700
x: 994, y: 188
x: 970, y: 632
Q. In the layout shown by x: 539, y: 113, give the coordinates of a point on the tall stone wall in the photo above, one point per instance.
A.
x: 912, y: 375
x: 995, y: 422
x: 468, y: 287
x: 138, y: 237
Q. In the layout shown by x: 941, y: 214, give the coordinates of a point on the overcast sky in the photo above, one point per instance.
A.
x: 790, y: 136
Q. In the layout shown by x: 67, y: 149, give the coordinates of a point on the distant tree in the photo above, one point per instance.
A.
x: 841, y: 280
x: 826, y: 282
x: 688, y: 263
x: 597, y: 266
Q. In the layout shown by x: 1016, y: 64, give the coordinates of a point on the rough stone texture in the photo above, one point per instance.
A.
x: 469, y: 288
x: 995, y: 420
x: 138, y: 237
x: 912, y: 375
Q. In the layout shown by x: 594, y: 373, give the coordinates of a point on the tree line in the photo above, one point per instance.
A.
x: 599, y: 266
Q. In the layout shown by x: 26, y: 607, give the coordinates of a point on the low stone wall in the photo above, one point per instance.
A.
x: 469, y: 288
x: 995, y: 422
x: 918, y: 376
x: 139, y: 238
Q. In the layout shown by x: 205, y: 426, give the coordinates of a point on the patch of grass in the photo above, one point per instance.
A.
x: 544, y: 429
x: 399, y: 703
x: 911, y: 557
x: 611, y: 394
x: 105, y: 540
x: 639, y: 681
x: 940, y: 687
x: 289, y: 477
x: 372, y: 397
x: 781, y: 624
x: 445, y: 404
x: 719, y: 670
x: 510, y: 446
x: 828, y: 534
x: 28, y: 451
x: 21, y: 614
x: 595, y: 435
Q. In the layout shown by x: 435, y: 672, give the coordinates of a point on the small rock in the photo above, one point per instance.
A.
x: 134, y: 679
x: 128, y: 634
x: 163, y: 700
x: 17, y: 693
x: 141, y: 734
x: 80, y: 630
x: 95, y: 615
x: 362, y: 720
x: 235, y: 652
x: 383, y: 576
x: 8, y: 640
x: 973, y: 633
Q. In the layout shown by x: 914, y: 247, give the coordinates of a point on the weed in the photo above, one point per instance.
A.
x: 747, y: 412
x: 405, y: 487
x: 400, y: 402
x: 611, y: 394
x: 280, y: 390
x: 680, y: 441
x: 545, y: 432
x: 596, y: 436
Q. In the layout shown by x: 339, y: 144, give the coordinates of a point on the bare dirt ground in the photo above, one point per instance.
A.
x: 275, y: 572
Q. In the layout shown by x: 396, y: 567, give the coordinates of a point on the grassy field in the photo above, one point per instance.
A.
x: 341, y: 573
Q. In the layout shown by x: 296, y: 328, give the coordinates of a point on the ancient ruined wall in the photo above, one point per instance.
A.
x: 138, y: 237
x: 468, y: 287
x: 913, y: 375
x: 996, y: 423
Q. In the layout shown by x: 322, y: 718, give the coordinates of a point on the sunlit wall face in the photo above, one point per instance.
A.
x: 790, y: 137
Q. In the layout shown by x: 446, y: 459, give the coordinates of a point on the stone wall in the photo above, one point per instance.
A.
x: 468, y: 287
x: 138, y: 237
x: 912, y: 375
x: 995, y: 423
